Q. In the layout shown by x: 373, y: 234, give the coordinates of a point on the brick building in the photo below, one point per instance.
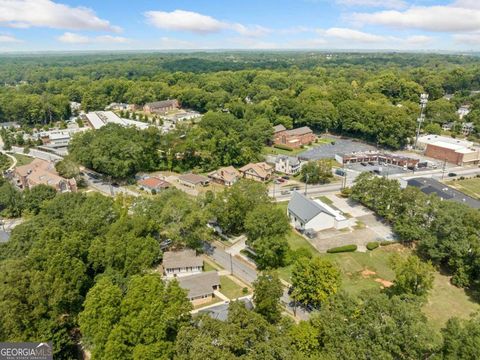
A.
x: 160, y: 107
x: 293, y: 138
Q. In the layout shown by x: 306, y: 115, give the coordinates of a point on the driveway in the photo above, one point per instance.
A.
x: 348, y: 206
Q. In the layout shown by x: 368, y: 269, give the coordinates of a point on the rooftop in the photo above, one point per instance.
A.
x: 445, y: 192
x: 199, y: 284
x: 306, y: 209
x: 179, y: 259
x: 193, y: 178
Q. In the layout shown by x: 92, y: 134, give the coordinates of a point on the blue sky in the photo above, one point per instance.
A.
x: 44, y: 25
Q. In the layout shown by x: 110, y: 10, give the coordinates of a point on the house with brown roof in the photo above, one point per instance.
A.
x: 193, y: 180
x: 226, y: 176
x: 160, y: 107
x: 153, y: 184
x: 294, y: 138
x: 257, y: 171
x: 201, y: 287
x: 42, y: 172
x: 181, y: 263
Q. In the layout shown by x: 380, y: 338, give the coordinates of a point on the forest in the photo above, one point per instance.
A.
x: 373, y: 97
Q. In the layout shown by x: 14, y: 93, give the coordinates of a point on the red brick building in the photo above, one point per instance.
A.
x: 160, y: 107
x: 293, y: 138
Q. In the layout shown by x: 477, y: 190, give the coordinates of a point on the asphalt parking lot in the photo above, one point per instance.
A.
x: 340, y: 146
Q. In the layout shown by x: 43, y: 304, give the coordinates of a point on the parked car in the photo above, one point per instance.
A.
x: 286, y: 177
x: 285, y: 192
x: 452, y: 174
x: 363, y: 163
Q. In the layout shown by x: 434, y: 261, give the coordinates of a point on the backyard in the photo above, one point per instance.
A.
x: 230, y: 288
x: 470, y: 187
x: 23, y: 159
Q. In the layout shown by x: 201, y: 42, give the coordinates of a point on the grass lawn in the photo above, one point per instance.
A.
x: 446, y: 300
x: 469, y: 187
x: 208, y: 266
x: 23, y: 159
x: 270, y: 150
x: 214, y: 301
x: 230, y: 288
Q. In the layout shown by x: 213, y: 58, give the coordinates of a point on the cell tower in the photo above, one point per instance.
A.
x: 421, y: 119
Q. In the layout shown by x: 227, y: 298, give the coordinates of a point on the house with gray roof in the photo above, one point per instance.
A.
x: 181, y: 263
x: 201, y: 287
x: 289, y: 165
x: 314, y: 215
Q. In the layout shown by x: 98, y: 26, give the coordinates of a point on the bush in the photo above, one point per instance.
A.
x: 245, y: 291
x: 340, y: 249
x: 373, y: 245
x: 294, y: 255
x: 283, y: 147
x: 386, y: 243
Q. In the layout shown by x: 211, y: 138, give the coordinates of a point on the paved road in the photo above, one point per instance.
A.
x: 95, y: 181
x: 248, y: 274
x: 437, y: 174
x: 37, y: 154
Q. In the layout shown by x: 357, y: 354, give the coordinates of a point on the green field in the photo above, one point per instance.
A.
x: 270, y: 150
x: 23, y: 159
x: 470, y: 187
x: 230, y: 288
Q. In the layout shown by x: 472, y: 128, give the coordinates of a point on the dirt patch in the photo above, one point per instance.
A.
x: 367, y: 273
x: 385, y: 283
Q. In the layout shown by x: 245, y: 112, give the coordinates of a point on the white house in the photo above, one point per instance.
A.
x: 308, y: 214
x: 287, y: 164
x: 463, y: 111
x: 181, y: 263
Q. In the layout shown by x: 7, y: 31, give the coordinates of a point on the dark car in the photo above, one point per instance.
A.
x: 286, y: 177
x: 363, y: 163
x: 452, y: 174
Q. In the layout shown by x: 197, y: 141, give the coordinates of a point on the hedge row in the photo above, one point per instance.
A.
x: 373, y: 245
x: 346, y: 248
x: 283, y: 147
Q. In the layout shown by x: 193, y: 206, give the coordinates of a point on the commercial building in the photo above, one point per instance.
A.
x: 376, y: 157
x: 293, y: 138
x: 160, y: 107
x: 456, y: 151
x: 42, y: 172
x: 181, y: 263
x: 98, y: 119
x: 431, y: 186
x: 313, y: 215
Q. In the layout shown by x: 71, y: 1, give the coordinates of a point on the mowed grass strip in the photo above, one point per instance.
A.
x: 470, y: 187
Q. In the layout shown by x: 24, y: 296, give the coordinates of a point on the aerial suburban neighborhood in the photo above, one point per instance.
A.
x: 255, y: 180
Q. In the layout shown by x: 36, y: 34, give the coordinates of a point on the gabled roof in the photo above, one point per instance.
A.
x: 180, y: 259
x: 300, y: 131
x: 154, y: 183
x: 291, y: 159
x: 161, y: 104
x: 262, y: 169
x: 226, y: 174
x: 278, y: 128
x: 199, y: 284
x: 306, y: 209
x: 193, y: 178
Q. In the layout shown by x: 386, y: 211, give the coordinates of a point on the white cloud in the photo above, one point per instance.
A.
x: 468, y: 38
x: 47, y: 13
x: 8, y: 39
x: 461, y: 16
x: 72, y: 38
x: 386, y: 4
x: 352, y: 35
x: 189, y: 21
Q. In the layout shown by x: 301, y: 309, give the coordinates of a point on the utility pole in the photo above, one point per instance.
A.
x: 306, y: 182
x: 443, y: 168
x: 421, y: 119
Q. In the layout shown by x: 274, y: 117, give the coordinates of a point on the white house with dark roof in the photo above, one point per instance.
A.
x: 289, y: 165
x: 181, y: 263
x: 308, y: 214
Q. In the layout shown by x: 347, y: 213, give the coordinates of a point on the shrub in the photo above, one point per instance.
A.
x: 386, y: 243
x: 340, y: 249
x: 283, y: 147
x: 245, y: 291
x: 294, y: 255
x: 373, y: 245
